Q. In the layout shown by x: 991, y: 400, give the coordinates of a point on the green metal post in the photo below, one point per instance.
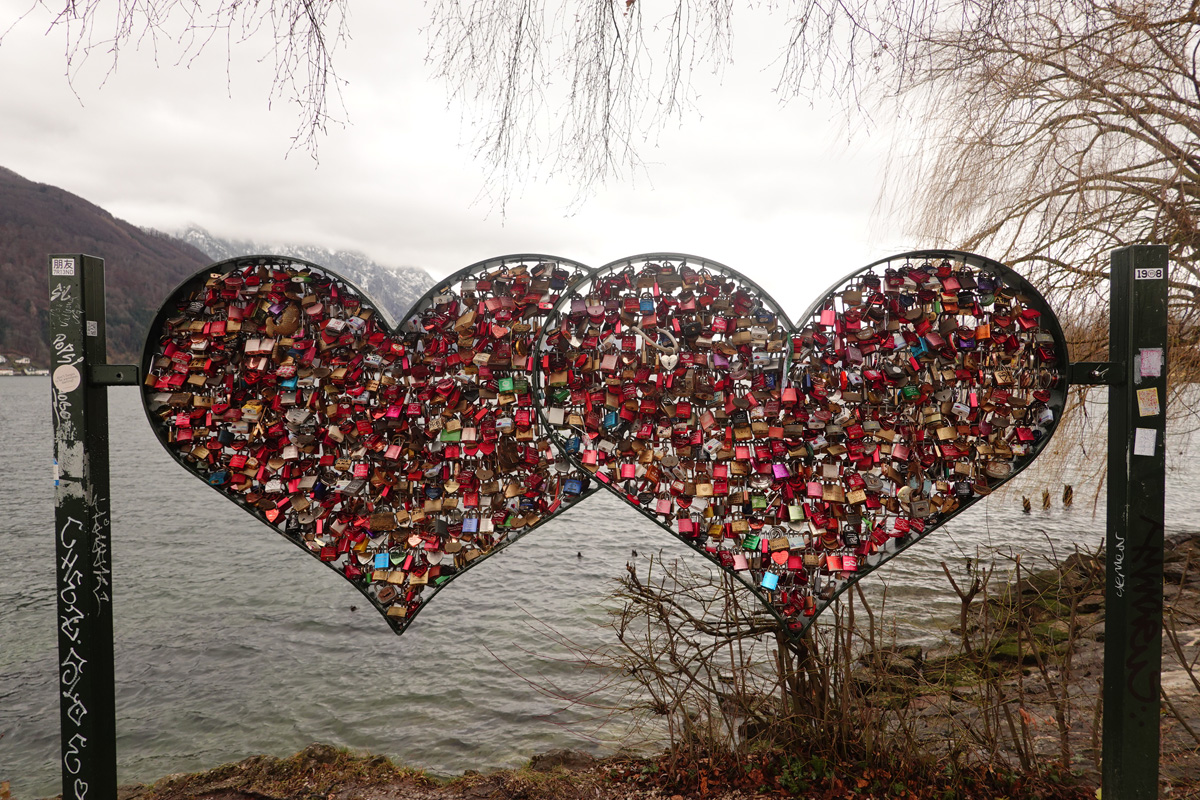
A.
x: 1134, y: 544
x: 82, y: 530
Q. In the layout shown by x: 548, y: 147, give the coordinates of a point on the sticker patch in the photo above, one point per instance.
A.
x: 1145, y: 440
x: 1147, y: 400
x: 66, y: 378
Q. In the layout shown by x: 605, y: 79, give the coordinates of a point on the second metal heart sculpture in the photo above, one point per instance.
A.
x: 798, y: 457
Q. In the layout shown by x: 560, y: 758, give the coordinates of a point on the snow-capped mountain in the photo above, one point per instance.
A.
x: 394, y: 289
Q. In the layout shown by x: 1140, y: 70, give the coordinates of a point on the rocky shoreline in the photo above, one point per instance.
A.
x: 330, y: 773
x: 1059, y: 612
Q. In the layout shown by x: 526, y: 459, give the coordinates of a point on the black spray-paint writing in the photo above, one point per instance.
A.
x: 1145, y: 621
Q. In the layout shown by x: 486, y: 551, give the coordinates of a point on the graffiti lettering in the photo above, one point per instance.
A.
x: 64, y: 351
x: 65, y: 307
x: 1119, y: 564
x: 70, y: 579
x: 100, y: 556
x: 1145, y: 622
x: 76, y: 710
x: 71, y: 752
x: 71, y: 669
x: 61, y: 293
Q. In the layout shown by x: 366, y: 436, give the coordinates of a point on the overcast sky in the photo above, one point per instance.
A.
x: 772, y: 190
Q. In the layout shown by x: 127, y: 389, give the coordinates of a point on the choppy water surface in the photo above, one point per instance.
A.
x: 230, y: 641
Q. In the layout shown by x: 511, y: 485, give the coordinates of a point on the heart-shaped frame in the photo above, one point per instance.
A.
x: 197, y: 312
x: 724, y: 332
x: 721, y: 386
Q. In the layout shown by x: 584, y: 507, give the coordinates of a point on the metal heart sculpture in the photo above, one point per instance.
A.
x: 398, y: 455
x: 797, y: 457
x: 801, y: 457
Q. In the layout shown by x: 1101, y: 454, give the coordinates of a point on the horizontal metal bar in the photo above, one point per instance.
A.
x: 114, y: 375
x: 1095, y: 373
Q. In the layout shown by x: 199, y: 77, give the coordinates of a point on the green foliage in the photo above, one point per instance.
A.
x: 799, y: 774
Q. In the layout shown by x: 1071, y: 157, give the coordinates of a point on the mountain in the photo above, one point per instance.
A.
x: 394, y: 289
x: 139, y: 268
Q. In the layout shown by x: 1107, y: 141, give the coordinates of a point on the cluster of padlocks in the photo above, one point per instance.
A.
x: 399, y: 458
x: 795, y: 456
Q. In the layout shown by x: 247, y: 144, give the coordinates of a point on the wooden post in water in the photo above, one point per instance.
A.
x: 1134, y: 545
x: 82, y: 532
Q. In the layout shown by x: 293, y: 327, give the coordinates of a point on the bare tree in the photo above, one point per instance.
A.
x: 1047, y: 131
x: 304, y: 36
x: 557, y: 87
x: 1056, y: 130
x: 575, y: 89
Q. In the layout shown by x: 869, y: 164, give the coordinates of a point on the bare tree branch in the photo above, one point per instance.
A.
x: 304, y: 34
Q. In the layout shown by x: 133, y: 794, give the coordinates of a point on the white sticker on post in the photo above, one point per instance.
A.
x: 1145, y: 440
x: 66, y: 378
x: 1148, y: 274
x: 62, y: 266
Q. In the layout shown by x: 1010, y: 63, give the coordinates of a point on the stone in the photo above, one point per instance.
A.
x: 570, y: 760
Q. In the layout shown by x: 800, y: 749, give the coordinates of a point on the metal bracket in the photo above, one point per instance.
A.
x: 114, y: 375
x: 1095, y: 373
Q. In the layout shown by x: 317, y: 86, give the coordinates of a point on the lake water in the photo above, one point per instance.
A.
x: 231, y: 641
